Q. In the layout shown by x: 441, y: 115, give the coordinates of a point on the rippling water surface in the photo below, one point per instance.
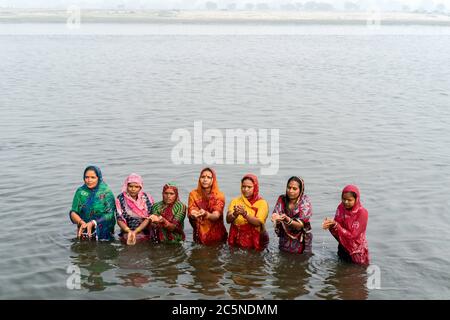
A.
x: 370, y: 110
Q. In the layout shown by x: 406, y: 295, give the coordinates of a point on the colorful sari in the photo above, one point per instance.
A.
x: 350, y: 230
x: 206, y: 231
x: 96, y: 204
x: 175, y: 214
x: 243, y: 234
x: 133, y: 212
x: 290, y: 239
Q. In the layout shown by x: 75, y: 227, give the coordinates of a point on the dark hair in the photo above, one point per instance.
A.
x: 247, y: 178
x: 97, y: 171
x: 207, y: 169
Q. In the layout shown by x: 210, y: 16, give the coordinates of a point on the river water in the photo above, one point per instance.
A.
x: 372, y: 110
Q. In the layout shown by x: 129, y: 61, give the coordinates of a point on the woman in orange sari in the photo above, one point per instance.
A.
x: 247, y: 215
x: 205, y: 210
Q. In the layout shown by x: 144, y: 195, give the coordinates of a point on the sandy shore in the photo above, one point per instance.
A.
x: 221, y: 17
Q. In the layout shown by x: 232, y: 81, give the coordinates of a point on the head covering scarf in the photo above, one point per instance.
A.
x: 138, y: 206
x: 255, y: 197
x: 341, y: 208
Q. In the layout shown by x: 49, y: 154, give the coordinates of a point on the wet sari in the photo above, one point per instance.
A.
x: 175, y: 213
x: 205, y: 231
x: 132, y: 212
x: 96, y: 204
x: 350, y: 230
x: 290, y: 239
x: 242, y: 233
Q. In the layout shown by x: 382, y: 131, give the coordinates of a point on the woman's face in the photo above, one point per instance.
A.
x: 169, y: 196
x: 90, y: 179
x: 293, y: 190
x: 247, y: 188
x: 348, y: 200
x: 206, y: 179
x: 133, y: 189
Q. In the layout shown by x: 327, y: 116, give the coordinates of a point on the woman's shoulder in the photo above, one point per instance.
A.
x: 82, y: 191
x: 306, y: 198
x: 261, y: 202
x: 194, y: 193
x: 220, y: 195
x: 149, y: 197
x: 237, y: 199
x: 363, y: 211
x: 104, y: 188
x: 179, y: 205
x: 120, y: 196
x: 158, y: 204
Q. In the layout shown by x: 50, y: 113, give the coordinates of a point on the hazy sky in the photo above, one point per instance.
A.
x: 200, y: 4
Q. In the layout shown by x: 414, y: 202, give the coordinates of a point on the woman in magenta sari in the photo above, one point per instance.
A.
x: 133, y: 211
x: 349, y: 227
x: 291, y: 216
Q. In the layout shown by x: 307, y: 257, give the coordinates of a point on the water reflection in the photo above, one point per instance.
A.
x: 166, y: 262
x: 94, y: 258
x: 290, y: 275
x: 133, y: 264
x: 135, y: 279
x: 248, y: 272
x: 206, y: 270
x: 345, y: 281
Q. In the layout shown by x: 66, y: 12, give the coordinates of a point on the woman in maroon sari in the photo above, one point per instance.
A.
x: 349, y: 227
x: 291, y: 215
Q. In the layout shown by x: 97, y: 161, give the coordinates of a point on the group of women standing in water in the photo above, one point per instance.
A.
x: 95, y: 211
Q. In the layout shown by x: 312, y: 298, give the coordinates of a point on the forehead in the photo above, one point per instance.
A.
x: 207, y: 173
x: 133, y: 184
x: 247, y: 183
x: 169, y: 191
x: 294, y: 183
x: 90, y: 173
x: 348, y: 196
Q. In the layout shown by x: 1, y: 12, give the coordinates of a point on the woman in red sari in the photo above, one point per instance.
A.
x: 247, y: 215
x: 205, y: 210
x: 349, y: 227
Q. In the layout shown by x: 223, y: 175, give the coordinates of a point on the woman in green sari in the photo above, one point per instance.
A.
x: 93, y: 207
x: 170, y: 214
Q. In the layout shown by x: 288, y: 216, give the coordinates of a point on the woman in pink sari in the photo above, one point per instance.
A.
x: 349, y: 227
x: 133, y: 211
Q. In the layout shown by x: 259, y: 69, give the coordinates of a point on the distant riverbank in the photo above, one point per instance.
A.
x: 222, y: 17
